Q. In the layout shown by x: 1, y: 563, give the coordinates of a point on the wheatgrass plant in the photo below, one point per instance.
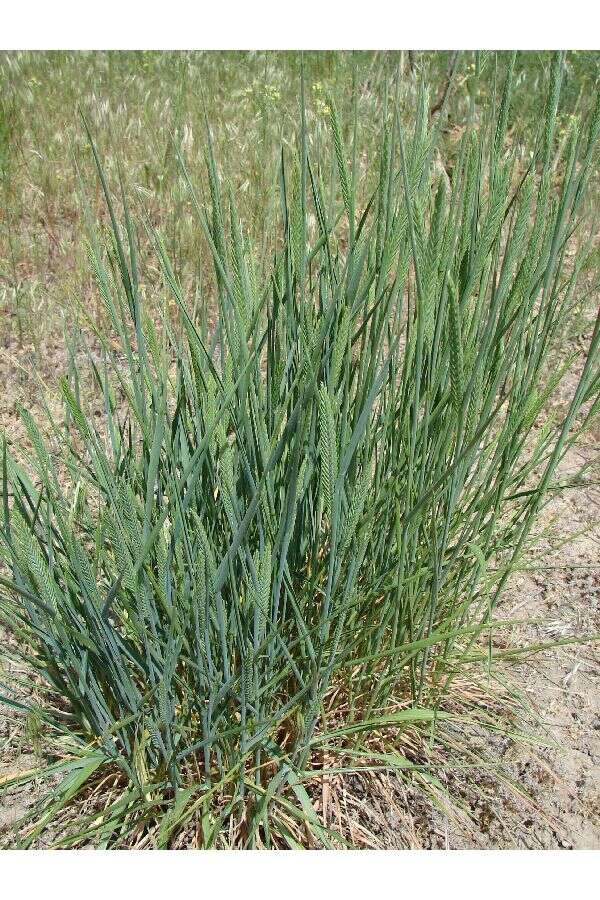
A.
x: 286, y: 536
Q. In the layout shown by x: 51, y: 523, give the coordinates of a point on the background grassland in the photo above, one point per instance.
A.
x: 143, y: 104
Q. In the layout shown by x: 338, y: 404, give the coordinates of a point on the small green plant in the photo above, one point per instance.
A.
x: 286, y: 535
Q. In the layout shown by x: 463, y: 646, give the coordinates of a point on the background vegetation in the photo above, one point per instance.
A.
x: 139, y: 102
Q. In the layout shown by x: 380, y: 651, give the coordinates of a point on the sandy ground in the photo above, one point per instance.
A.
x: 562, y: 685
